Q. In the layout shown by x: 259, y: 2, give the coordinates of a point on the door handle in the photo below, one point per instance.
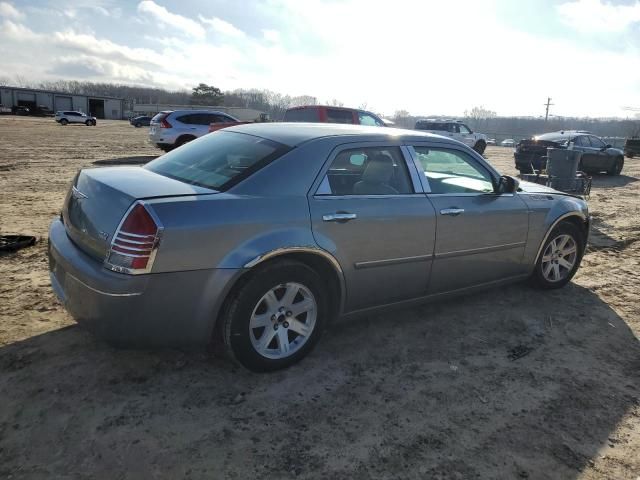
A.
x: 339, y: 217
x: 454, y: 212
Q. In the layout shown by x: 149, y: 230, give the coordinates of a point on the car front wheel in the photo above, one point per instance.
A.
x: 276, y: 317
x: 560, y: 258
x: 64, y: 121
x: 616, y: 168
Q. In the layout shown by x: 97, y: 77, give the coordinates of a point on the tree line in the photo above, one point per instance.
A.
x: 274, y: 103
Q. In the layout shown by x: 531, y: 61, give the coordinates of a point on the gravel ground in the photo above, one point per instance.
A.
x: 427, y: 392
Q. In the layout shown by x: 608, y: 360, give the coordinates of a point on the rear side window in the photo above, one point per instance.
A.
x: 367, y: 171
x: 432, y: 126
x: 302, y: 115
x: 218, y: 160
x: 335, y: 115
x: 159, y: 117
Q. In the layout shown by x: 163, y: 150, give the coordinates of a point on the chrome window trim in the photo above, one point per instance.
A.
x: 422, y: 178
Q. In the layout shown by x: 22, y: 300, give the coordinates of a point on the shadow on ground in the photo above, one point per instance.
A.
x: 136, y: 160
x: 610, y: 181
x: 427, y: 392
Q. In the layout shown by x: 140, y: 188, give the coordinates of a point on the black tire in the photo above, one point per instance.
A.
x: 525, y: 169
x: 184, y: 139
x: 88, y: 123
x: 240, y: 306
x: 616, y: 168
x: 480, y: 147
x: 538, y: 279
x: 137, y: 125
x: 64, y: 121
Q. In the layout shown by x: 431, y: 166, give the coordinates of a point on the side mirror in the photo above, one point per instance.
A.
x: 607, y: 146
x: 508, y: 184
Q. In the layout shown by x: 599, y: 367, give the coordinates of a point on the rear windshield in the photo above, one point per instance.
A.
x: 218, y: 160
x: 302, y: 115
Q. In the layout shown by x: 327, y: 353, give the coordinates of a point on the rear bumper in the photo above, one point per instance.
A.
x: 175, y: 309
x: 528, y: 160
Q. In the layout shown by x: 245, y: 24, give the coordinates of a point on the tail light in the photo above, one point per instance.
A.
x: 164, y: 123
x: 134, y: 245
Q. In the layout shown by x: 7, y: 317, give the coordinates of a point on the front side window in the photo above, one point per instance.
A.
x: 464, y: 129
x: 335, y: 115
x: 596, y: 142
x: 452, y: 171
x: 454, y: 128
x: 366, y: 119
x: 367, y: 171
x: 219, y: 160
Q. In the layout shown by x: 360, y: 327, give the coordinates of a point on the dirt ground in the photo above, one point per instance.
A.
x: 422, y: 393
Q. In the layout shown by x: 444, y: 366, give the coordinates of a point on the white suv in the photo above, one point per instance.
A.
x: 170, y: 129
x: 64, y: 118
x: 454, y: 129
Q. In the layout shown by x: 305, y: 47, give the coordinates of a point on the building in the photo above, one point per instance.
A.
x: 97, y: 105
x: 242, y: 114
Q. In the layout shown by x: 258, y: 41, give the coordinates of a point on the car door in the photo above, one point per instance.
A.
x: 466, y: 136
x: 367, y: 209
x: 601, y: 159
x: 588, y: 160
x: 480, y: 234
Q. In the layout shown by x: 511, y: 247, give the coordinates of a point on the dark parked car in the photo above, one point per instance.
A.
x: 597, y: 156
x: 632, y: 147
x: 261, y: 235
x: 140, y: 121
x: 324, y: 114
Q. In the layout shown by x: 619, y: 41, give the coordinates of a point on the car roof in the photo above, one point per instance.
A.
x: 217, y: 112
x: 561, y: 135
x: 296, y: 133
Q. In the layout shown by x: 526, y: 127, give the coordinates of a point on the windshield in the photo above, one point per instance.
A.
x: 218, y: 160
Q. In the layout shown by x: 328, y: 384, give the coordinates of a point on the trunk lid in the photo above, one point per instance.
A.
x: 536, y: 147
x: 100, y: 197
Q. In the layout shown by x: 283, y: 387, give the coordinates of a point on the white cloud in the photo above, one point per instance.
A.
x: 221, y: 26
x: 9, y: 11
x: 272, y: 36
x: 18, y: 32
x: 596, y: 16
x: 160, y: 13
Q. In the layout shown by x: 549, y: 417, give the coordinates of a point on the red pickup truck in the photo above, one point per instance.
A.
x: 325, y: 114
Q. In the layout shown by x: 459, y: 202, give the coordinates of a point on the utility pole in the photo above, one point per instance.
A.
x: 548, y: 104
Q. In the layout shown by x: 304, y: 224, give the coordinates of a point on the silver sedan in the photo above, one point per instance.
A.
x: 265, y: 234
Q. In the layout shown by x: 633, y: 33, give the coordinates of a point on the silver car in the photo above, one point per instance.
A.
x: 265, y: 234
x: 173, y: 128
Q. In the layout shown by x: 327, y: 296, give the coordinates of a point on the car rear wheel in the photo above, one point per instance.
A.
x: 480, y: 147
x: 616, y: 168
x: 560, y: 258
x: 276, y: 317
x: 64, y: 121
x: 137, y: 125
x: 184, y: 139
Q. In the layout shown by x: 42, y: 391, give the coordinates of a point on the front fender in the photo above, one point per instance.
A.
x: 545, y: 212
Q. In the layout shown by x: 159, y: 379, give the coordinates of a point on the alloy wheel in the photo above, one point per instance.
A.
x: 559, y: 258
x: 283, y: 320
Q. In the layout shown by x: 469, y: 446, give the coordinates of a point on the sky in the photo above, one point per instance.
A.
x: 422, y: 56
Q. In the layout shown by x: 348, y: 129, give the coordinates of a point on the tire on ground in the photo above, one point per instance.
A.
x: 243, y: 300
x: 616, y: 167
x: 480, y: 147
x: 563, y: 228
